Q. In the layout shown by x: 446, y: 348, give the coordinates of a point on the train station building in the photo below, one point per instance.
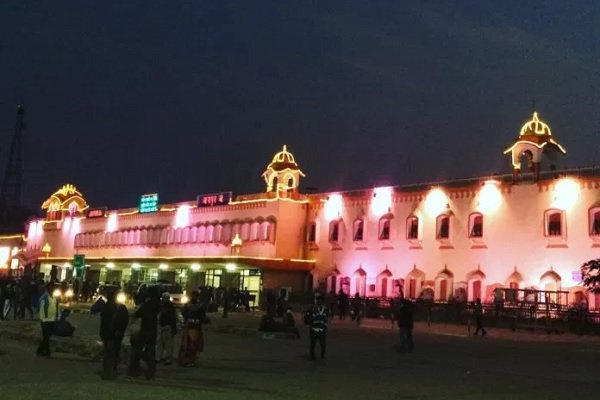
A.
x: 532, y: 228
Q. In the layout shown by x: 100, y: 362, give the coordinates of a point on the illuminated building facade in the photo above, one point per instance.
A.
x: 458, y: 238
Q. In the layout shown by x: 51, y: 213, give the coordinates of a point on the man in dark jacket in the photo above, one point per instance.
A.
x: 316, y: 317
x: 114, y: 318
x: 143, y: 344
x: 167, y: 325
x: 404, y: 316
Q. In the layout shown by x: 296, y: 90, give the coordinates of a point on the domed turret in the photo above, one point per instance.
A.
x: 283, y: 173
x: 67, y: 200
x: 535, y: 139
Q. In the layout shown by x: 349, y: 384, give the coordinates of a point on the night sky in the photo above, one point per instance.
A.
x: 186, y: 97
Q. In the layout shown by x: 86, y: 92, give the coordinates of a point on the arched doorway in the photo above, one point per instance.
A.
x: 414, y: 282
x: 550, y: 282
x: 384, y: 280
x: 360, y: 282
x: 475, y: 285
x: 443, y: 284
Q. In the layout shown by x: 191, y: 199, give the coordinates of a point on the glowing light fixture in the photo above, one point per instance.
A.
x: 110, y: 265
x: 136, y: 266
x: 382, y: 200
x: 56, y: 293
x: 333, y: 207
x: 436, y: 201
x: 121, y: 297
x: 163, y: 267
x: 46, y: 249
x: 111, y: 223
x: 490, y: 197
x: 195, y: 267
x: 32, y: 229
x: 230, y: 267
x: 69, y: 293
x: 566, y: 193
x: 182, y: 217
x: 67, y: 224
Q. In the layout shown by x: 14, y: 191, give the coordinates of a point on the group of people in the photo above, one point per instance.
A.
x: 344, y: 305
x: 18, y: 298
x: 152, y: 332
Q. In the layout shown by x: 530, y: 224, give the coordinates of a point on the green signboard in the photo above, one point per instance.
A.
x: 78, y: 265
x: 149, y: 203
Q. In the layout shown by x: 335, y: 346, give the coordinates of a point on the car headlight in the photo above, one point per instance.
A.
x: 121, y: 298
x: 69, y: 293
x: 57, y: 293
x: 184, y: 299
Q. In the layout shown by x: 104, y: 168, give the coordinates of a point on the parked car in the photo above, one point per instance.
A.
x: 178, y: 296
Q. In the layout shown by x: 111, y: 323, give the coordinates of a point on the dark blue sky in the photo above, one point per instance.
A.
x: 188, y: 97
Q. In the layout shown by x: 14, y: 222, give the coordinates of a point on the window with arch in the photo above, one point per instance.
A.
x: 226, y: 234
x: 385, y: 225
x: 185, y: 235
x: 218, y: 233
x: 255, y: 231
x: 201, y: 237
x: 554, y: 223
x: 412, y: 228
x: 311, y: 234
x: 267, y: 231
x: 476, y: 225
x: 245, y: 231
x: 594, y: 217
x: 442, y: 230
x: 334, y: 231
x: 209, y: 236
x: 358, y: 234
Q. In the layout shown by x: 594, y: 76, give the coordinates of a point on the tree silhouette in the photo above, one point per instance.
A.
x: 590, y: 271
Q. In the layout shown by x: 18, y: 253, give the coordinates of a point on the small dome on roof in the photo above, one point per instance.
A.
x: 283, y: 160
x: 535, y: 127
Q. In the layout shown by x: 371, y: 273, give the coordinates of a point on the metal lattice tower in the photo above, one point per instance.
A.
x: 10, y: 195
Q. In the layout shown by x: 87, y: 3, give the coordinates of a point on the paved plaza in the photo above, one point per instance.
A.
x: 362, y: 363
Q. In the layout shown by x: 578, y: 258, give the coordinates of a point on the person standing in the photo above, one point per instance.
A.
x: 405, y: 321
x: 478, y: 312
x: 192, y: 338
x: 167, y: 328
x: 48, y: 314
x: 343, y: 303
x: 143, y: 343
x: 316, y: 317
x: 114, y: 319
x: 357, y: 308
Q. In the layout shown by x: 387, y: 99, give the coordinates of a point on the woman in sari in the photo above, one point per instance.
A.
x: 192, y: 338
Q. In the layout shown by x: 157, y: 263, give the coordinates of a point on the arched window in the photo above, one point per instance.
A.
x: 358, y: 230
x: 476, y: 225
x: 218, y: 233
x: 385, y: 224
x: 201, y: 238
x: 442, y: 227
x: 412, y: 228
x: 554, y: 223
x: 226, y: 233
x: 164, y: 236
x: 334, y: 231
x: 170, y: 236
x: 185, y: 235
x: 193, y: 234
x: 245, y: 231
x: 209, y: 237
x: 255, y: 231
x: 144, y: 237
x: 594, y: 221
x: 311, y: 235
x: 136, y: 237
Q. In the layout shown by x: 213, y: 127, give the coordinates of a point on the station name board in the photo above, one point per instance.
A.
x: 149, y: 203
x: 214, y: 199
x: 96, y: 212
